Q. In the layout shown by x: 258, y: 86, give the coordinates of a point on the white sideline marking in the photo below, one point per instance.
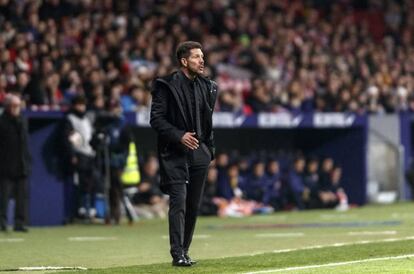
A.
x: 337, y: 216
x: 281, y: 235
x: 39, y: 268
x: 91, y: 239
x: 332, y: 264
x: 201, y: 236
x: 402, y: 215
x: 11, y: 240
x: 369, y: 233
x: 341, y: 244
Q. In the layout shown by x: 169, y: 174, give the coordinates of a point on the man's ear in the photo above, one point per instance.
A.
x: 184, y: 62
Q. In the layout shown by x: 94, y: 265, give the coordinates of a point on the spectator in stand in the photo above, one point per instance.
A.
x: 23, y: 79
x: 260, y: 99
x: 134, y: 99
x: 324, y: 56
x: 3, y: 86
x: 231, y: 101
x: 54, y: 96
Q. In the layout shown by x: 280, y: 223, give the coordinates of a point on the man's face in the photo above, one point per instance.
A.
x: 313, y: 166
x: 233, y: 171
x: 80, y: 107
x: 299, y: 165
x: 15, y: 107
x: 274, y: 167
x: 327, y: 164
x: 259, y: 169
x: 195, y: 62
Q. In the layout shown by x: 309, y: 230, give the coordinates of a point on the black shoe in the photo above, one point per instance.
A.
x: 191, y: 261
x: 180, y: 261
x: 21, y: 229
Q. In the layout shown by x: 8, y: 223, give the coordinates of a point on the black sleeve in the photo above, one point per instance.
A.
x: 67, y: 130
x: 210, y: 142
x: 25, y: 131
x: 159, y: 113
x: 3, y: 133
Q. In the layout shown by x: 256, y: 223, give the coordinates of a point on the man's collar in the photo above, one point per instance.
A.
x: 186, y: 78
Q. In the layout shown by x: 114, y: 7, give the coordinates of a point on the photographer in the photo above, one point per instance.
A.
x: 112, y: 146
x: 78, y: 133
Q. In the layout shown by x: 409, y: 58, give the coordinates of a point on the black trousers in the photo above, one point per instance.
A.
x: 115, y: 196
x: 185, y: 201
x: 17, y: 187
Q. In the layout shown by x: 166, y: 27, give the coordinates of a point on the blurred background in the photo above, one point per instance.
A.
x: 314, y: 108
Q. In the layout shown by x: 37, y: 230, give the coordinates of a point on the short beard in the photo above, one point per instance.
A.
x: 193, y: 73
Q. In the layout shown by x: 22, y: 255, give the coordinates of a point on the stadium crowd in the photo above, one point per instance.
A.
x: 267, y: 56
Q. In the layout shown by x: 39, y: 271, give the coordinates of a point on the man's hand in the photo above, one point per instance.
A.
x: 189, y: 140
x: 144, y: 187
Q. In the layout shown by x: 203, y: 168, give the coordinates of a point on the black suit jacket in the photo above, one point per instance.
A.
x: 14, y: 153
x: 171, y: 120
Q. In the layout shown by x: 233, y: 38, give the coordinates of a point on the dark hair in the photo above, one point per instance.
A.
x: 78, y: 99
x: 184, y: 48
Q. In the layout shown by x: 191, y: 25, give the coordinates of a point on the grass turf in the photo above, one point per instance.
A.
x: 269, y: 261
x: 226, y: 245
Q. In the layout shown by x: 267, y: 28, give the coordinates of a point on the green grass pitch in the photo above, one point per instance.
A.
x: 371, y: 239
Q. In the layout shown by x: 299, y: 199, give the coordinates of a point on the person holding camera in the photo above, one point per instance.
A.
x: 78, y: 133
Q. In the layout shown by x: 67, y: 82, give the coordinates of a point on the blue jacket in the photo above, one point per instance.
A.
x: 254, y: 187
x: 272, y: 189
x: 296, y: 182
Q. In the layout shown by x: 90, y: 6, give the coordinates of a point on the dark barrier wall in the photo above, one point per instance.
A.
x: 340, y: 136
x: 348, y: 149
x: 346, y: 146
x: 46, y: 199
x: 407, y: 141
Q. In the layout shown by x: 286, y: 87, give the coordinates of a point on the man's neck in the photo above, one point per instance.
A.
x: 10, y: 115
x: 188, y: 74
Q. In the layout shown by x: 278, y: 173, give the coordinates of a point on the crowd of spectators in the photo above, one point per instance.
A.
x: 267, y: 56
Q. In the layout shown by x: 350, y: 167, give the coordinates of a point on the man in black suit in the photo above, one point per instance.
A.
x: 181, y: 114
x: 14, y: 163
